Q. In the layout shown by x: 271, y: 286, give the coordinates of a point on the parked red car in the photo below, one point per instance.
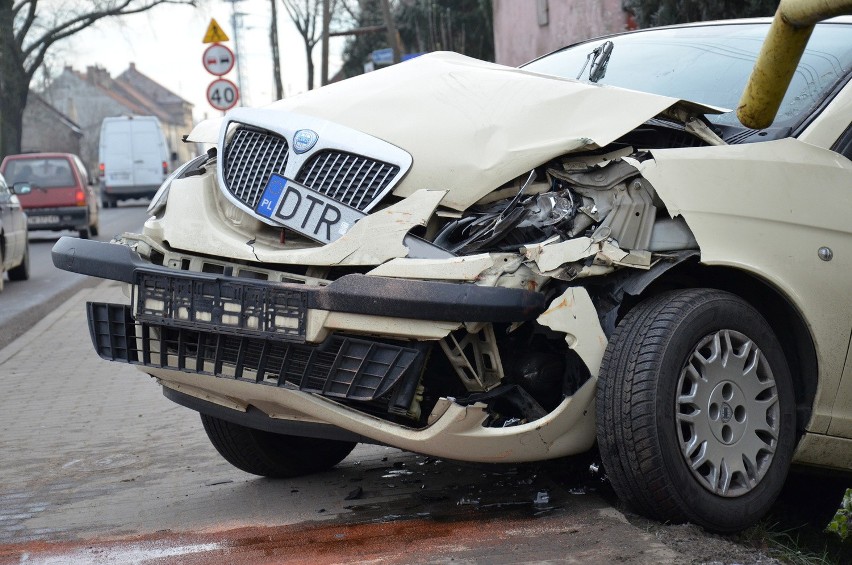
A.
x: 61, y: 196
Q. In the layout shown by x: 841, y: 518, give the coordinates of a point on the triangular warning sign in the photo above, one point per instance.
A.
x: 214, y: 33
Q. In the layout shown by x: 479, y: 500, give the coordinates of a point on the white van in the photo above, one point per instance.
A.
x: 133, y: 157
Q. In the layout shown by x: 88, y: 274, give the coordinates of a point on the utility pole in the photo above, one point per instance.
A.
x: 276, y: 57
x: 326, y: 20
x: 236, y: 23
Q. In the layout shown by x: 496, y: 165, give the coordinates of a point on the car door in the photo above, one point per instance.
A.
x: 841, y: 412
x: 11, y: 221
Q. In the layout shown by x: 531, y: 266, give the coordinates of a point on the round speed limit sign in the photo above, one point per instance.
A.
x: 222, y: 94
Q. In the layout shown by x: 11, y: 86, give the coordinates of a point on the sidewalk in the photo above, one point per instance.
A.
x: 98, y: 467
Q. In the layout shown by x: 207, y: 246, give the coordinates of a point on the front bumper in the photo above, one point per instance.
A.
x: 270, y: 333
x: 233, y: 353
x: 353, y: 294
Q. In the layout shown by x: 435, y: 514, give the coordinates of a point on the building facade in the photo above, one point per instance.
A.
x: 524, y: 30
x: 46, y: 129
x: 87, y: 98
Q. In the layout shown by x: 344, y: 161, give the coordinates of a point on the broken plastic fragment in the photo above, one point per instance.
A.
x: 542, y: 498
x: 512, y: 422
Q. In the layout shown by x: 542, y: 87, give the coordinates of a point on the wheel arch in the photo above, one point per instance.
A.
x: 797, y: 342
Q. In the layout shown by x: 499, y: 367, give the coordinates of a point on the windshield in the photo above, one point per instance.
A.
x: 41, y: 173
x: 709, y: 65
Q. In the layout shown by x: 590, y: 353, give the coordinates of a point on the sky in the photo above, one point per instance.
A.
x: 165, y: 43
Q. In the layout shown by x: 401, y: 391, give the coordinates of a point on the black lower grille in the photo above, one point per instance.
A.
x: 340, y: 367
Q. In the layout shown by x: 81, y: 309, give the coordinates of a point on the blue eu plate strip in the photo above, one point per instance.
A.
x: 271, y: 195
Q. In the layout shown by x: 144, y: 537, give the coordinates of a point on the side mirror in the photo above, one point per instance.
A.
x: 21, y: 188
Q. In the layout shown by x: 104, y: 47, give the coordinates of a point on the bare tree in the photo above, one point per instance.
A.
x: 27, y: 32
x: 307, y: 17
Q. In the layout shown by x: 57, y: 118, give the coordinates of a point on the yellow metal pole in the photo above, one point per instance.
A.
x: 791, y: 28
x: 808, y: 12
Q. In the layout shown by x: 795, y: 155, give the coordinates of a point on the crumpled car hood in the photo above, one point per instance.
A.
x: 472, y: 126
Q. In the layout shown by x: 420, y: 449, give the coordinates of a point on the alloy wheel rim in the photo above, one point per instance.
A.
x: 727, y: 413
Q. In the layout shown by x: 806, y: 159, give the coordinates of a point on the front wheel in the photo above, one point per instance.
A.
x: 273, y: 455
x: 22, y: 271
x: 696, y: 412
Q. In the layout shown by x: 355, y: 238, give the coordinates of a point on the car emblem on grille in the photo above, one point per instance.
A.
x: 304, y: 140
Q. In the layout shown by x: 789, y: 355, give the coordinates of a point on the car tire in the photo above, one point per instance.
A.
x: 696, y: 410
x: 83, y: 233
x: 272, y: 455
x: 94, y: 229
x: 2, y: 271
x: 22, y: 271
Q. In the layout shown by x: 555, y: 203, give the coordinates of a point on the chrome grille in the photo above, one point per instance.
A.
x: 251, y: 157
x: 351, y: 179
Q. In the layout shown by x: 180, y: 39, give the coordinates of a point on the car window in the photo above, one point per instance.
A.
x: 844, y: 144
x: 710, y: 65
x: 42, y: 173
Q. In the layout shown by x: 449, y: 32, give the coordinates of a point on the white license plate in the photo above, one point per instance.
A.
x: 42, y: 220
x: 306, y: 211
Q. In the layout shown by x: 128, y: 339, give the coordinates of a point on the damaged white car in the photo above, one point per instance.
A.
x: 493, y: 264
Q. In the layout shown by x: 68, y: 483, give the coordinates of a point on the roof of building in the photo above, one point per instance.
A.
x: 149, y: 86
x: 128, y: 94
x: 62, y: 118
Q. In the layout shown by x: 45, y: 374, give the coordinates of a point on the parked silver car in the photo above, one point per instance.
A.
x: 486, y: 263
x: 14, y: 242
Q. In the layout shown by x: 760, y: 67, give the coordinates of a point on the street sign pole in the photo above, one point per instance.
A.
x: 219, y: 60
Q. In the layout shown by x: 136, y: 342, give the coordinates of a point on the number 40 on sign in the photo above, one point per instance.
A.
x: 222, y: 94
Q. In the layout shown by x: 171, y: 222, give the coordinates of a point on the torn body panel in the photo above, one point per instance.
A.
x: 479, y: 103
x: 573, y: 314
x: 242, y: 237
x: 456, y: 432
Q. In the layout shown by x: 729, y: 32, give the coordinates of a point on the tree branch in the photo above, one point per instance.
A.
x: 28, y: 22
x: 40, y: 45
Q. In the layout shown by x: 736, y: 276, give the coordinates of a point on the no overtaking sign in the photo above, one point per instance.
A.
x: 218, y: 60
